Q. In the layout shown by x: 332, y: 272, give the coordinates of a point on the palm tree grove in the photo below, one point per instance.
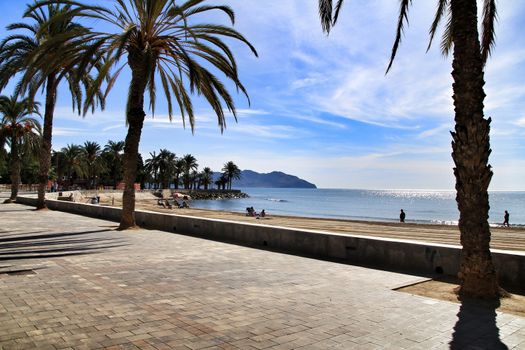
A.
x: 92, y: 166
x: 400, y: 150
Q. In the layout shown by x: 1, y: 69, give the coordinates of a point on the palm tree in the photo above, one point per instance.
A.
x: 71, y: 156
x: 20, y: 131
x: 470, y: 146
x: 152, y: 168
x: 206, y: 177
x: 194, y: 180
x: 93, y: 162
x: 46, y: 57
x: 166, y: 167
x: 221, y: 182
x: 161, y: 41
x: 189, y: 164
x: 113, y: 152
x: 231, y: 171
x: 178, y: 170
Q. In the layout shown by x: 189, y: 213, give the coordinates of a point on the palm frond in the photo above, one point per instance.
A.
x: 488, y: 37
x: 442, y: 7
x: 403, y: 17
x: 325, y: 13
x: 336, y: 12
x: 447, y: 39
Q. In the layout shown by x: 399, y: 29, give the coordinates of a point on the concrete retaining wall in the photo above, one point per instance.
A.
x: 402, y: 255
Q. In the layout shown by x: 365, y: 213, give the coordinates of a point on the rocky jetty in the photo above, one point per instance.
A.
x: 201, y: 194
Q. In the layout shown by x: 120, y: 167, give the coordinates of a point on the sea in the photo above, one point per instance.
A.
x: 420, y: 206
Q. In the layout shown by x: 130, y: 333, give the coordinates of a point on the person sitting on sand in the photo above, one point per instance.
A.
x: 263, y: 213
x: 250, y: 211
x: 402, y: 216
x: 506, y: 219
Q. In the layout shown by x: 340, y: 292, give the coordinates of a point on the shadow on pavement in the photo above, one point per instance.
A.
x: 476, y: 327
x: 31, y: 246
x: 26, y: 236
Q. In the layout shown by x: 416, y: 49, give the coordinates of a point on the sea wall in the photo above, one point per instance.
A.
x: 389, y: 254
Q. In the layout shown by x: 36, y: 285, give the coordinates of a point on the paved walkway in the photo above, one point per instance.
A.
x: 68, y: 281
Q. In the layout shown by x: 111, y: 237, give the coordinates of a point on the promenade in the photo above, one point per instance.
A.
x: 73, y: 282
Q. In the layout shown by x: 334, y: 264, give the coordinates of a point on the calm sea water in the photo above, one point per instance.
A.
x: 379, y: 205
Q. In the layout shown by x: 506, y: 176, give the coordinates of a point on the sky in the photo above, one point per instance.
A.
x: 322, y: 107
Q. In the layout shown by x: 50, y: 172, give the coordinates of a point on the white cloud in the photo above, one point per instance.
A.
x: 437, y: 130
x: 521, y: 122
x: 58, y: 131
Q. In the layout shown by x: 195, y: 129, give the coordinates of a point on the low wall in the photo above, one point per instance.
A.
x: 389, y: 254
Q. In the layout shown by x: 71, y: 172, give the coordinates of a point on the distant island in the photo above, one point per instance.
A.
x: 275, y: 179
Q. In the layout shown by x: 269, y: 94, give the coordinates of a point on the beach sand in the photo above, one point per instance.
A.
x: 512, y: 238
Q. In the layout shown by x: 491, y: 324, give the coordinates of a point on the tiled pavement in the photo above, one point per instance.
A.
x: 68, y: 281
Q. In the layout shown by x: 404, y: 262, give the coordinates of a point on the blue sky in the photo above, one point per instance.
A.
x: 322, y: 107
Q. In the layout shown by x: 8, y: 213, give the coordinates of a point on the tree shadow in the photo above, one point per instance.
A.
x: 52, y: 245
x: 476, y: 327
x: 28, y: 236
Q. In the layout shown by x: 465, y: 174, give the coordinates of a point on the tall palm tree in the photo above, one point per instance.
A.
x: 20, y: 131
x: 92, y: 161
x: 114, y: 151
x: 47, y: 56
x: 470, y: 146
x: 160, y: 41
x: 206, y: 177
x: 189, y: 164
x: 231, y: 171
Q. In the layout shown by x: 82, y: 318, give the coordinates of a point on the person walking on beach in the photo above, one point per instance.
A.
x: 506, y: 219
x: 402, y: 216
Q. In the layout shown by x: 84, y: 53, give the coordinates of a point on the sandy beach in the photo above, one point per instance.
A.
x: 512, y: 238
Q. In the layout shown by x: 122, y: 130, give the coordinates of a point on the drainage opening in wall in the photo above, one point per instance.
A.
x: 265, y: 243
x: 439, y: 270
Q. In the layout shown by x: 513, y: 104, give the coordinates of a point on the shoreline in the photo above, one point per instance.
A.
x: 512, y: 238
x: 380, y: 221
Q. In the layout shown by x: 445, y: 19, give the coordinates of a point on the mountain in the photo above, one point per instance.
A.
x: 275, y: 179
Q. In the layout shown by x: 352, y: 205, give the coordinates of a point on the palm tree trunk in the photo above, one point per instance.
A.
x: 135, y: 117
x: 15, y: 170
x: 45, y: 149
x: 471, y: 149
